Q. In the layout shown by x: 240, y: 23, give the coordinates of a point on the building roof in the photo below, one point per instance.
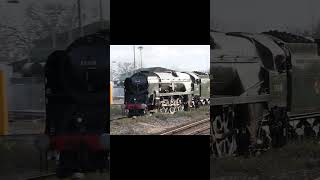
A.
x: 155, y: 69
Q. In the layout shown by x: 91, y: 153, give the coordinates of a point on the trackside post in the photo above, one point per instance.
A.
x: 3, y: 106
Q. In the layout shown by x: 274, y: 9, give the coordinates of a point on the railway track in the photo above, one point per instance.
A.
x: 193, y: 128
x: 44, y: 176
x: 118, y: 118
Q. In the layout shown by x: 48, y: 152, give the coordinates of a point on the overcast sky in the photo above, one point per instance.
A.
x: 182, y: 58
x: 263, y: 15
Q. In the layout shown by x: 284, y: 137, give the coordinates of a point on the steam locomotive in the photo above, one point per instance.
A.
x: 265, y: 90
x: 166, y: 91
x: 77, y: 104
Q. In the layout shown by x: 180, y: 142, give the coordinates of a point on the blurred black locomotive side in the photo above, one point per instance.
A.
x: 265, y: 90
x: 77, y: 116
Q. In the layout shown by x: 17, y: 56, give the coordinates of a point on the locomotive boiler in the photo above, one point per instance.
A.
x: 77, y: 104
x: 165, y: 91
x: 265, y: 90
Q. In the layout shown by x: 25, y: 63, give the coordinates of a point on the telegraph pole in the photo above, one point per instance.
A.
x: 79, y: 16
x: 140, y: 48
x: 101, y: 15
x: 134, y: 57
x: 312, y: 17
x: 3, y: 105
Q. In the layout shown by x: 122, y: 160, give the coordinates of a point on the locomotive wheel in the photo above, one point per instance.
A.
x: 180, y: 108
x: 132, y: 113
x: 278, y: 127
x: 66, y: 162
x: 264, y: 140
x: 204, y: 102
x: 212, y: 143
x: 142, y: 112
x: 223, y: 133
x: 163, y: 109
x: 305, y: 127
x: 316, y: 127
x: 172, y: 110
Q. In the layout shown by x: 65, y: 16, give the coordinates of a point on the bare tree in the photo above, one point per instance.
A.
x: 14, y: 41
x: 41, y: 20
x: 51, y: 18
x: 122, y: 70
x: 207, y: 71
x: 301, y: 32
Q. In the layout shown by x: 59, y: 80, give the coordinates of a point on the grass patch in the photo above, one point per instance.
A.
x: 7, y: 145
x: 292, y: 157
x: 135, y: 120
x: 18, y: 157
x: 161, y: 116
x: 116, y: 110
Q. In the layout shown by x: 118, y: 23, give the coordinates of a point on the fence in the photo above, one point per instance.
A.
x: 26, y: 94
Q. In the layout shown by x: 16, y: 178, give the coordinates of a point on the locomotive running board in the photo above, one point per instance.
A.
x: 303, y: 116
x: 176, y: 93
x: 239, y: 100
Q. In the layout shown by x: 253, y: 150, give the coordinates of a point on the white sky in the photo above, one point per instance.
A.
x: 177, y: 57
x: 264, y: 15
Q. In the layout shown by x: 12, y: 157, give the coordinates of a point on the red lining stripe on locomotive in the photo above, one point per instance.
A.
x: 65, y: 142
x: 136, y: 106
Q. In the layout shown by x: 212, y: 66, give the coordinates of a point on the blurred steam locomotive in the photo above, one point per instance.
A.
x: 166, y: 91
x: 265, y: 90
x: 77, y: 104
